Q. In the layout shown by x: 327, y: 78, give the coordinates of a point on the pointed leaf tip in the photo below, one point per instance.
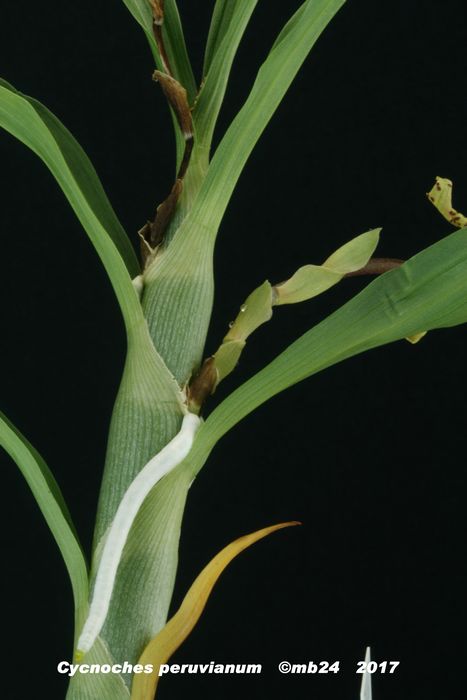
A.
x: 365, y: 690
x: 167, y: 641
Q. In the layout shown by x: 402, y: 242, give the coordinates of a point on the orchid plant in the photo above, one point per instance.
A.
x: 162, y: 429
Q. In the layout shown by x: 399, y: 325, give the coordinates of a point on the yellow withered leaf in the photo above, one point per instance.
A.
x: 165, y: 643
x: 440, y: 196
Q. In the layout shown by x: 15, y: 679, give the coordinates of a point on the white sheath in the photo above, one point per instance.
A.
x: 161, y: 464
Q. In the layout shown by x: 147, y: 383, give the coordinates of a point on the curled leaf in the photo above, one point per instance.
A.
x: 427, y: 292
x: 306, y: 283
x: 440, y: 196
x: 311, y: 280
x: 227, y: 357
x: 167, y: 641
x: 256, y: 310
x: 253, y: 313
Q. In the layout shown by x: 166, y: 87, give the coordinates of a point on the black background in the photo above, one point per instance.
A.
x: 369, y: 455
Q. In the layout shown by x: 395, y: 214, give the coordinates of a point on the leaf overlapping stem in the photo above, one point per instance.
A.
x: 166, y: 329
x: 307, y: 282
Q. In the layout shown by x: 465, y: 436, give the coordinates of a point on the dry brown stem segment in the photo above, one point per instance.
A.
x: 157, y: 11
x: 376, y: 266
x: 202, y: 385
x: 177, y: 98
x: 157, y: 7
x: 152, y: 233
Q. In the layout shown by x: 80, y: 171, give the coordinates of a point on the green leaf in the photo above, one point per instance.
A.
x: 310, y: 280
x: 50, y: 500
x: 273, y: 79
x: 229, y: 21
x: 40, y: 130
x: 307, y: 282
x: 30, y: 122
x: 429, y: 291
x: 34, y: 125
x: 141, y: 11
x: 179, y: 284
x: 221, y: 19
x: 148, y: 410
x: 256, y: 310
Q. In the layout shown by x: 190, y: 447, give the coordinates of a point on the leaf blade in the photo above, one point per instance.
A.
x: 273, y: 79
x: 427, y: 292
x: 52, y: 505
x: 164, y: 644
x: 32, y: 124
x: 229, y: 21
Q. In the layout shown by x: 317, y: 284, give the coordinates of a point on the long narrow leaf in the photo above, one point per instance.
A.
x: 183, y: 276
x: 230, y: 19
x: 429, y: 291
x: 164, y: 644
x: 30, y: 122
x: 273, y: 79
x: 50, y: 500
x: 220, y: 21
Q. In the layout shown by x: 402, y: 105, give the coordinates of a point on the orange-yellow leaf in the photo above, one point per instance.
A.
x: 161, y: 648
